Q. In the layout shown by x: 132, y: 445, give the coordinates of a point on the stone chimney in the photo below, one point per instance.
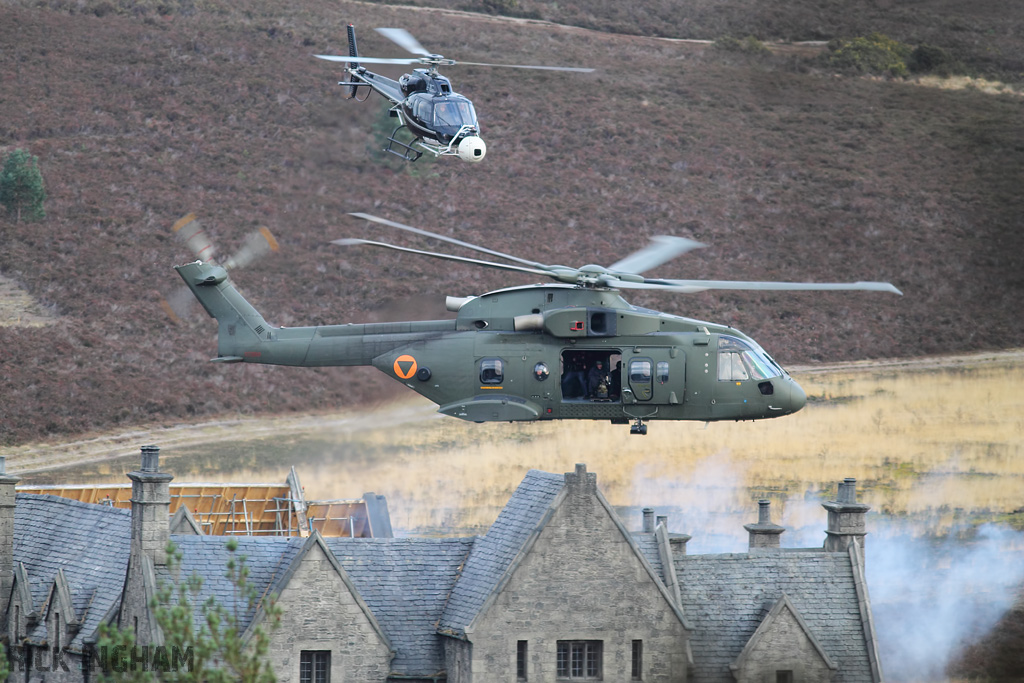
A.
x: 7, y: 483
x: 648, y: 527
x: 581, y: 482
x: 845, y: 519
x: 662, y: 520
x: 764, y: 534
x: 151, y: 507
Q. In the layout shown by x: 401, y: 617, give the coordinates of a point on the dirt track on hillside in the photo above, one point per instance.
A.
x: 38, y: 457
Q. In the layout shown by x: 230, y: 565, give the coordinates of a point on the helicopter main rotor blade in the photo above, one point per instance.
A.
x: 403, y: 39
x: 449, y: 240
x: 693, y: 286
x: 527, y: 66
x: 447, y: 257
x: 663, y: 248
x: 370, y: 60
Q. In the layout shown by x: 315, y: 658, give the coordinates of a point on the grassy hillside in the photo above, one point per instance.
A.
x: 140, y: 112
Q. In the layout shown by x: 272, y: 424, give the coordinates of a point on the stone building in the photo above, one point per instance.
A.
x: 558, y: 589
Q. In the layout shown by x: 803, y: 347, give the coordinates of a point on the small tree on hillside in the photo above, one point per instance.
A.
x: 21, y: 186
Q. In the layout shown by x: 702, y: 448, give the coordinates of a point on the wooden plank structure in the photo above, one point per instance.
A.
x: 226, y: 509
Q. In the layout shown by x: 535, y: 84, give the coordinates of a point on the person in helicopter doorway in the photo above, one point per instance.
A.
x: 574, y: 384
x: 615, y: 386
x: 597, y: 380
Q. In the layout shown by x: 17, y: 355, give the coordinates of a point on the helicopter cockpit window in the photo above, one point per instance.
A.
x: 738, y: 361
x: 492, y: 371
x: 453, y: 112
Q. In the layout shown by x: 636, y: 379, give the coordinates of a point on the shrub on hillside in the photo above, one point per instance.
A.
x: 748, y: 46
x: 21, y: 186
x: 873, y: 54
x: 930, y: 59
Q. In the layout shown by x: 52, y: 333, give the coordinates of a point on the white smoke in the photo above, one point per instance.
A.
x: 931, y: 597
x: 708, y: 502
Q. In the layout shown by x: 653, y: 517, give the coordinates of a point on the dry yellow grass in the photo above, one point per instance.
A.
x: 917, y: 441
x: 930, y: 444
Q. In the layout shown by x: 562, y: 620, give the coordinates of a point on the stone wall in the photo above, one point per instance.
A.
x: 581, y: 580
x: 783, y: 646
x: 320, y: 613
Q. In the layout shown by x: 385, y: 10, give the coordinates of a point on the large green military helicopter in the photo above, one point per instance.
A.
x: 572, y: 349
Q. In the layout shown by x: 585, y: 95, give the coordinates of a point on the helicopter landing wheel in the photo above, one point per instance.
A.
x: 638, y: 427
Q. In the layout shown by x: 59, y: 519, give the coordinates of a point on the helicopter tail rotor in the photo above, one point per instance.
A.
x: 191, y: 232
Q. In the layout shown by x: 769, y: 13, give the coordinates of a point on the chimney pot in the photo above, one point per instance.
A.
x: 848, y: 491
x: 150, y: 459
x: 764, y: 514
x: 648, y: 520
x: 764, y: 534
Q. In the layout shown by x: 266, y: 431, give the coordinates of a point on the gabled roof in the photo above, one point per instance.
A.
x: 283, y: 578
x: 775, y: 615
x: 406, y: 582
x: 727, y: 597
x: 90, y: 543
x: 183, y: 522
x: 493, y: 553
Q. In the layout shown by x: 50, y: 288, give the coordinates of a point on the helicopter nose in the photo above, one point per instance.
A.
x: 797, y: 396
x: 789, y: 396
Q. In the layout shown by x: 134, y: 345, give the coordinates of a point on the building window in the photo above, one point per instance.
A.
x: 638, y: 660
x: 783, y: 677
x: 521, y: 660
x: 579, y: 659
x: 315, y: 666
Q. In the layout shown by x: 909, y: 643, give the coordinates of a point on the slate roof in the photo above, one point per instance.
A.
x: 493, y: 553
x: 89, y: 542
x: 266, y: 558
x: 406, y: 583
x: 648, y: 545
x: 726, y: 597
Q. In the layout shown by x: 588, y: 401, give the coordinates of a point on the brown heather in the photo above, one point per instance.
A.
x: 140, y: 112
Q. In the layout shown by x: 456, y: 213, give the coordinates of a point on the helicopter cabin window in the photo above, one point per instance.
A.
x: 492, y: 371
x: 662, y: 372
x: 739, y: 361
x: 640, y: 371
x: 541, y: 372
